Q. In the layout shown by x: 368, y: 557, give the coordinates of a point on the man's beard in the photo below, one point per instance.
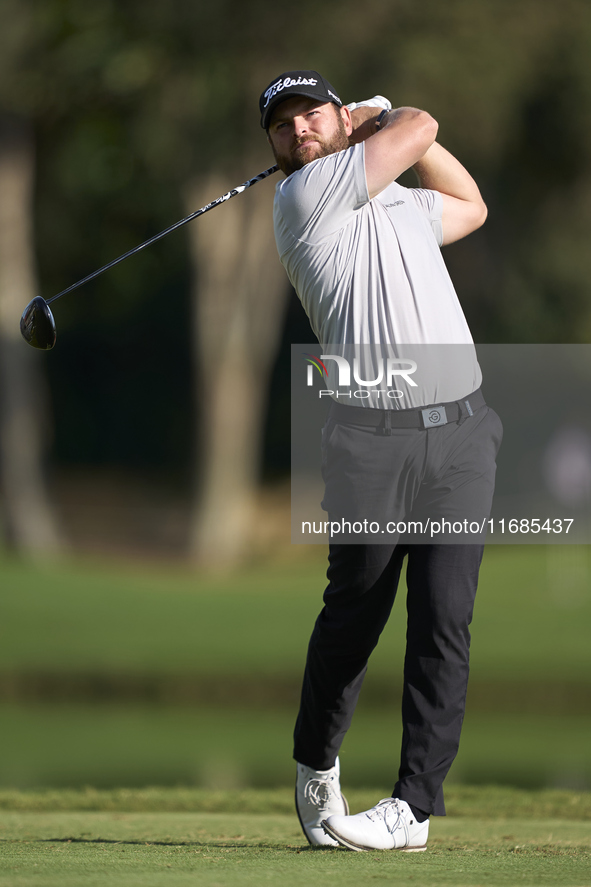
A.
x: 295, y: 159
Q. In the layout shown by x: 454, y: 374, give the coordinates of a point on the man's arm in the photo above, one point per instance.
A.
x: 404, y: 136
x: 407, y: 129
x: 464, y: 209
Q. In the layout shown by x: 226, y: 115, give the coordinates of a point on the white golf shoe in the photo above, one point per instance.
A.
x: 390, y: 825
x: 317, y: 797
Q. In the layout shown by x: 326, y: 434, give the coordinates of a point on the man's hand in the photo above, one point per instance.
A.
x: 364, y: 116
x: 364, y: 120
x: 464, y: 209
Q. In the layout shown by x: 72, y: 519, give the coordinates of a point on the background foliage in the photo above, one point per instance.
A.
x: 129, y: 101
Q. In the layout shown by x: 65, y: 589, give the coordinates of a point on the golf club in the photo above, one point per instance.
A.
x: 37, y: 323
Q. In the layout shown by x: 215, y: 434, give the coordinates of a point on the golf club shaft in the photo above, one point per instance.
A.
x: 199, y: 212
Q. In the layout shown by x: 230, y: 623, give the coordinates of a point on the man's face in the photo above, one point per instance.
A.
x: 302, y: 130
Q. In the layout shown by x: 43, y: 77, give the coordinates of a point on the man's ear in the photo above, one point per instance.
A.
x: 346, y: 118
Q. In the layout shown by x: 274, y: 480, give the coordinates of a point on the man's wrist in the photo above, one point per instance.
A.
x: 380, y: 118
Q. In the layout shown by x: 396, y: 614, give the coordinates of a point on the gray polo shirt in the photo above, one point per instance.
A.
x: 370, y: 272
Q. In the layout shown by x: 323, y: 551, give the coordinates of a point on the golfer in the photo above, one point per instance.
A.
x: 363, y: 254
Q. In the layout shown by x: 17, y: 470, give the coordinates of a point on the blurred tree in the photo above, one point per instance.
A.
x: 239, y: 304
x: 29, y: 521
x: 27, y: 518
x: 179, y: 128
x: 112, y: 81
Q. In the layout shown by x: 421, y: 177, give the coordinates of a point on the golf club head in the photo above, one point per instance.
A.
x: 38, y: 325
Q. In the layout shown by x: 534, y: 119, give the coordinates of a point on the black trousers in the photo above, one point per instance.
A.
x: 363, y: 580
x: 442, y: 471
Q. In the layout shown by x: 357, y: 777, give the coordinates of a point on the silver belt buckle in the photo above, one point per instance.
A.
x: 434, y: 416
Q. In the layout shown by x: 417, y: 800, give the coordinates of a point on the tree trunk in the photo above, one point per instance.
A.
x: 240, y: 294
x: 27, y: 520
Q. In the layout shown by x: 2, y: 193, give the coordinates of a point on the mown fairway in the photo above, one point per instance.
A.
x: 503, y: 838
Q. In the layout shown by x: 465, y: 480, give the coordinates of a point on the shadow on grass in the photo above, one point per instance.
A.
x: 207, y: 845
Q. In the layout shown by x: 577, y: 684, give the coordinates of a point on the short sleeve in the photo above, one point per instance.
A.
x: 431, y: 203
x: 321, y: 198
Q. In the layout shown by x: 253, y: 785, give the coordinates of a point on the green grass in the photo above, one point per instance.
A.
x: 505, y: 838
x: 114, y: 618
x: 232, y: 747
x: 532, y: 617
x: 527, y: 720
x: 463, y: 802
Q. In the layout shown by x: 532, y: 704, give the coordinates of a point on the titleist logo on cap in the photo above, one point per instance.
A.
x: 285, y: 83
x: 289, y: 84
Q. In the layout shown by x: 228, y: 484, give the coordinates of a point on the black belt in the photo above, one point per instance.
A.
x: 430, y: 416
